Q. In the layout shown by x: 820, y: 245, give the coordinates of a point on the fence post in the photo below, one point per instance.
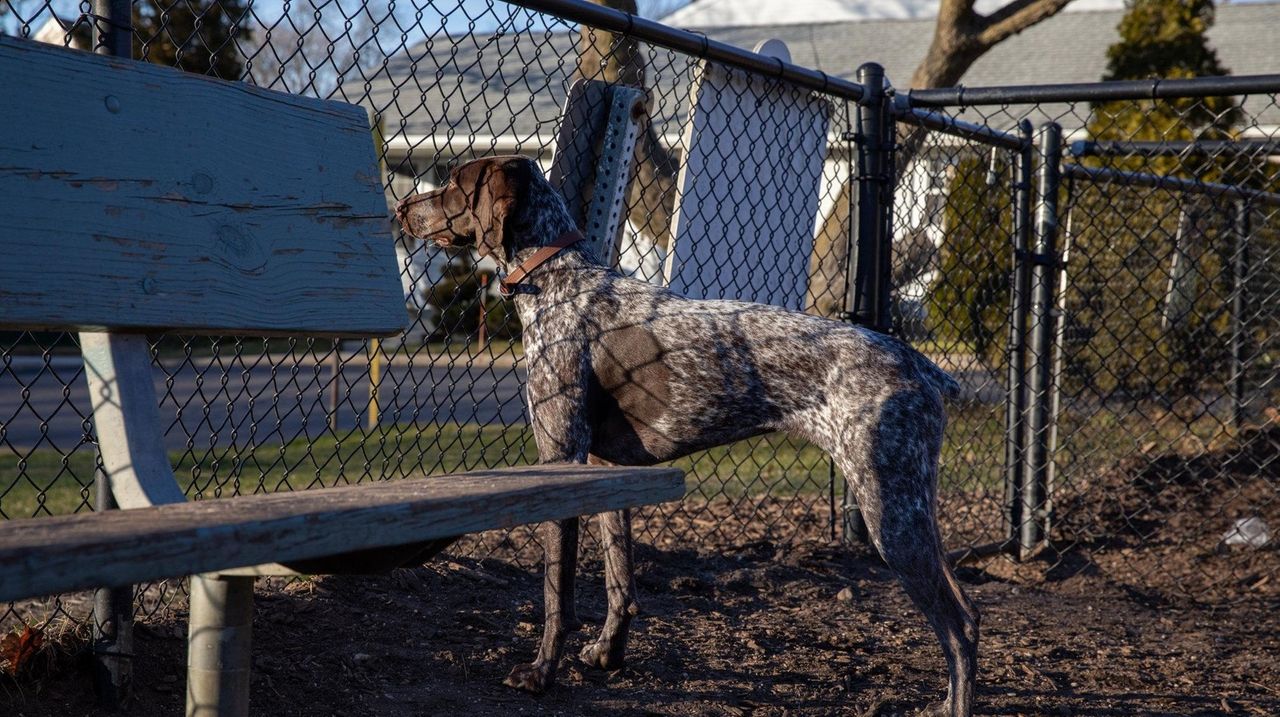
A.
x: 871, y: 282
x: 1015, y: 398
x: 1239, y: 330
x: 1039, y: 399
x: 870, y: 263
x: 112, y: 607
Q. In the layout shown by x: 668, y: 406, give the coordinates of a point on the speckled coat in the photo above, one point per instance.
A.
x: 622, y: 371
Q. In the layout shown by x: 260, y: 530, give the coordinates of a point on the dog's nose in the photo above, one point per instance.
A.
x: 402, y: 210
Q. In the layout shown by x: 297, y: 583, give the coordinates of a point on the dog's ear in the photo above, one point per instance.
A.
x: 502, y: 189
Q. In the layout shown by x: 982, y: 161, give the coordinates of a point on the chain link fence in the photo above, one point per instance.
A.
x: 1155, y: 295
x: 443, y: 84
x: 1157, y: 436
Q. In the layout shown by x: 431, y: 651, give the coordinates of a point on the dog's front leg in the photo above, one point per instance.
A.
x: 560, y: 540
x: 557, y: 391
x: 609, y: 650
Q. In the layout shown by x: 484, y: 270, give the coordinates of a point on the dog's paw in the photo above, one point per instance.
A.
x: 936, y: 709
x: 602, y: 654
x: 533, y: 678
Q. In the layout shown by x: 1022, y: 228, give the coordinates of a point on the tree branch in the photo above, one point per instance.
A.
x: 953, y: 13
x: 1016, y: 17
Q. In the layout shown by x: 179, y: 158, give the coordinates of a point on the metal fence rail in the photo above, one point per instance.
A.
x: 1110, y: 318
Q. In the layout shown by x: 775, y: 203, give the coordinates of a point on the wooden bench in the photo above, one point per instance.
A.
x: 262, y: 215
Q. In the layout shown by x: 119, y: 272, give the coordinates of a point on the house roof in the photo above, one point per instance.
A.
x: 732, y: 13
x: 506, y: 89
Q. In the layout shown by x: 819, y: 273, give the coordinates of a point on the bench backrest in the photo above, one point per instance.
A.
x: 136, y: 198
x: 140, y: 198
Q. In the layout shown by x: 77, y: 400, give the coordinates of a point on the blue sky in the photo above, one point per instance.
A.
x: 456, y: 16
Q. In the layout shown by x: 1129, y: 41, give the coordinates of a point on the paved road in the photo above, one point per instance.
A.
x: 266, y: 405
x: 258, y: 403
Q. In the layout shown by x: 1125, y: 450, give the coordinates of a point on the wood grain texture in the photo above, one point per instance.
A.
x: 44, y: 556
x: 135, y: 197
x: 747, y: 194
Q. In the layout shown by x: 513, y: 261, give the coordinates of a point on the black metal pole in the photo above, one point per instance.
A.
x: 1254, y: 148
x: 1239, y: 327
x: 113, y: 28
x: 112, y: 607
x: 836, y: 510
x: 1218, y: 191
x: 869, y: 283
x: 335, y: 376
x: 1153, y: 89
x: 1019, y: 303
x: 1044, y: 273
x: 112, y: 625
x: 946, y: 124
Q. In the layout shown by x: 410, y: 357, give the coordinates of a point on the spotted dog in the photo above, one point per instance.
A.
x: 624, y: 372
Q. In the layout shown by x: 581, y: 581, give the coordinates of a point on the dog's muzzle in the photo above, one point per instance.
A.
x: 404, y: 206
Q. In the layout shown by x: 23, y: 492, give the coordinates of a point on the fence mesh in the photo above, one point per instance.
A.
x: 952, y: 268
x: 1165, y: 440
x: 443, y: 84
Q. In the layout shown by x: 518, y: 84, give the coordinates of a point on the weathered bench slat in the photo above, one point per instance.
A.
x: 110, y: 218
x: 50, y: 555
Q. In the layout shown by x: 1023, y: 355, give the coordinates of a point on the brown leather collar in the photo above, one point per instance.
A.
x: 513, y: 278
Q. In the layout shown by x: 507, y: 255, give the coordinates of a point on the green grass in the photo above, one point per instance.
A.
x: 45, y: 483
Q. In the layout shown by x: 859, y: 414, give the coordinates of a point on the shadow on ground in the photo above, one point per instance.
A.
x: 751, y: 630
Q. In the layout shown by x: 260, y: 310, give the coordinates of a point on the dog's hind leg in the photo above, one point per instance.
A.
x: 921, y: 567
x: 609, y: 650
x: 895, y: 479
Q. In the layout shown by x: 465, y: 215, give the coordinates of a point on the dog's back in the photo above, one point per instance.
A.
x: 675, y: 375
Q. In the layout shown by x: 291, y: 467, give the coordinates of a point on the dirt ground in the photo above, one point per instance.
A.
x: 1140, y: 611
x: 754, y: 630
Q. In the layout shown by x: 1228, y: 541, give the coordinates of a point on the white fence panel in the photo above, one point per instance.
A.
x: 747, y: 194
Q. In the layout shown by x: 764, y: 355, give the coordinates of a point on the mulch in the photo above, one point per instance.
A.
x: 1143, y: 611
x: 755, y: 629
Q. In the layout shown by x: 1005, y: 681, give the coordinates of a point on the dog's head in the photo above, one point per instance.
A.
x: 477, y: 206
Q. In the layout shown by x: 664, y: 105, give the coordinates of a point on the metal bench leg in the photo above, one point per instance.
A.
x: 219, y: 646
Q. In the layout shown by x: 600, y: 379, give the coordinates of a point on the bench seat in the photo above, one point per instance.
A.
x: 52, y: 555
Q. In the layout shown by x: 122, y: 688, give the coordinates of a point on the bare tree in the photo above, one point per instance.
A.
x: 962, y: 35
x: 314, y: 47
